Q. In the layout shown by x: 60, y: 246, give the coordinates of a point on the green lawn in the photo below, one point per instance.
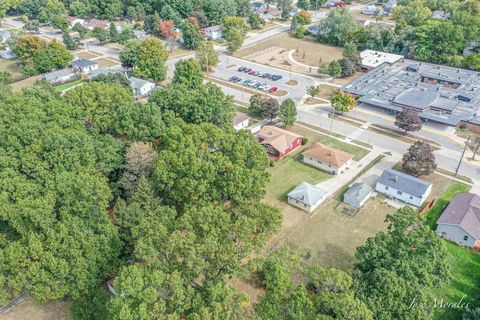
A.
x: 69, y: 85
x: 464, y: 263
x: 465, y: 281
x: 288, y: 173
x: 433, y: 214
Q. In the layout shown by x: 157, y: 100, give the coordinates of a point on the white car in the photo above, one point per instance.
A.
x: 266, y: 88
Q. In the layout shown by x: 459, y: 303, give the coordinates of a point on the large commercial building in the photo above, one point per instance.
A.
x: 440, y: 94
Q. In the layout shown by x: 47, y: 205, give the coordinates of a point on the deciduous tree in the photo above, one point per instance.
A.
x: 342, y: 101
x: 419, y: 159
x: 188, y: 72
x: 408, y: 120
x: 206, y: 55
x: 399, y: 266
x: 288, y: 112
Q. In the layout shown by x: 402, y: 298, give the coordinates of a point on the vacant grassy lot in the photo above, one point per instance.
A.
x: 465, y: 282
x: 29, y: 310
x: 86, y: 55
x: 443, y: 200
x: 28, y: 82
x: 12, y: 67
x: 313, y: 137
x: 331, y: 238
x: 106, y: 63
x: 274, y: 51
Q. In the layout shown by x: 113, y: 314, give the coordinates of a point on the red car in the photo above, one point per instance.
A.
x: 251, y: 72
x: 339, y: 4
x: 274, y: 89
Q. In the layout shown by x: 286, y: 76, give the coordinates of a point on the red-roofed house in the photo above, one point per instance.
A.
x: 278, y: 142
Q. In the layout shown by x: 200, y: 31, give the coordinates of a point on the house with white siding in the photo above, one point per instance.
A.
x: 240, y: 121
x: 403, y: 187
x: 460, y: 221
x: 327, y: 159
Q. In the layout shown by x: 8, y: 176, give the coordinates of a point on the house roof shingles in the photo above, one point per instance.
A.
x: 463, y: 210
x: 358, y: 191
x: 328, y: 155
x: 404, y: 182
x: 278, y: 138
x: 82, y: 63
x: 239, y: 117
x: 307, y: 193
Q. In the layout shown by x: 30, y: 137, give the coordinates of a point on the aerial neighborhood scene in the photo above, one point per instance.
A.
x: 237, y: 159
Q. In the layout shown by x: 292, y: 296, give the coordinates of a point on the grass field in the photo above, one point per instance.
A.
x: 69, y: 85
x: 12, y: 67
x: 313, y: 137
x: 442, y: 201
x: 464, y: 263
x: 288, y: 173
x: 331, y: 238
x: 465, y: 269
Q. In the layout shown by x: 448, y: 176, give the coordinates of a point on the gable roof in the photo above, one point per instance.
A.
x: 328, y: 155
x: 307, y: 193
x: 463, y: 210
x: 278, y: 138
x: 358, y: 191
x: 82, y: 63
x: 404, y: 182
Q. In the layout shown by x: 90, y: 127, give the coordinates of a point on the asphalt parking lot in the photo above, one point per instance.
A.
x: 229, y: 67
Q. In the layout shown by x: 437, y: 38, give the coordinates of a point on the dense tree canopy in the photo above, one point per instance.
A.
x: 399, y: 266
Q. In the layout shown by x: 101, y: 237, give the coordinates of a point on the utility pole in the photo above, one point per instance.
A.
x: 463, y: 153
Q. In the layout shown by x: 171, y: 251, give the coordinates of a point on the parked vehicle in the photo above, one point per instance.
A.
x: 241, y: 69
x: 273, y: 89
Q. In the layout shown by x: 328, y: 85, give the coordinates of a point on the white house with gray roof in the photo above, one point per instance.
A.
x: 460, y: 221
x: 102, y: 71
x: 141, y: 87
x: 84, y: 65
x: 306, y: 197
x: 357, y: 195
x: 403, y: 187
x: 58, y: 76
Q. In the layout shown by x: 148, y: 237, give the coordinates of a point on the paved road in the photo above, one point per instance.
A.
x: 446, y: 159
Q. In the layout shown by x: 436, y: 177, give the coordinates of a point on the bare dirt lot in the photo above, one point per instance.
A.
x: 29, y: 310
x: 275, y: 52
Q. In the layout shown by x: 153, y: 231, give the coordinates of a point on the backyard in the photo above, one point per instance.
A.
x: 330, y: 238
x: 442, y: 201
x: 465, y: 282
x: 464, y: 263
x: 12, y: 67
x: 28, y: 309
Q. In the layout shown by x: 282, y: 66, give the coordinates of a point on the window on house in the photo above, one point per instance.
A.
x: 465, y: 238
x: 411, y: 197
x: 386, y: 188
x: 399, y: 193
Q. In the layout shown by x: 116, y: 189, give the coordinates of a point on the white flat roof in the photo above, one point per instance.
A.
x: 373, y: 59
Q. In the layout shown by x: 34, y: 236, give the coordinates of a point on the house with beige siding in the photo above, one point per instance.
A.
x: 327, y: 158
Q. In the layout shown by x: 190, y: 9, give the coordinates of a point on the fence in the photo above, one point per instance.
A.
x: 13, y: 302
